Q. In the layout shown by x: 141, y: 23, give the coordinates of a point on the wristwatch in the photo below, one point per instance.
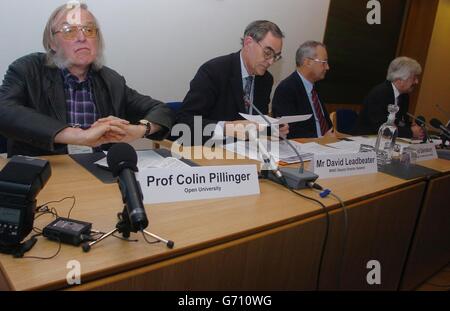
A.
x: 148, y: 127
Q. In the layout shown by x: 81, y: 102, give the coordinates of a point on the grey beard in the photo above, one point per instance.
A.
x: 60, y: 61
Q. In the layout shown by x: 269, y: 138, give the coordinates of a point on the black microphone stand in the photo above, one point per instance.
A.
x: 124, y: 226
x: 426, y: 137
x: 290, y: 177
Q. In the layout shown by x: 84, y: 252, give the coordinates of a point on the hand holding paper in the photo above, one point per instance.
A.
x: 282, y: 120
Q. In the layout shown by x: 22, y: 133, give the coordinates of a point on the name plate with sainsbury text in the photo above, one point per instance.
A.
x: 162, y: 185
x: 338, y: 165
x: 424, y: 151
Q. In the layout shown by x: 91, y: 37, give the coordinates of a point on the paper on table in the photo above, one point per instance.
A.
x: 356, y: 141
x: 284, y: 153
x: 364, y: 140
x: 317, y: 149
x: 350, y: 146
x: 282, y: 120
x: 168, y: 162
x: 150, y: 158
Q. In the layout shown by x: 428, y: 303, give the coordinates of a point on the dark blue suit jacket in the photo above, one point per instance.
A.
x: 290, y: 99
x: 216, y: 93
x: 375, y: 113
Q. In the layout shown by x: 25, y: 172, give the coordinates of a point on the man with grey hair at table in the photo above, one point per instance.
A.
x: 66, y: 100
x: 402, y: 77
x: 297, y: 95
x: 232, y: 84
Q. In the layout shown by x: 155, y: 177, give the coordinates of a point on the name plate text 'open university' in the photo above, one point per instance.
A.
x: 338, y: 165
x: 161, y: 185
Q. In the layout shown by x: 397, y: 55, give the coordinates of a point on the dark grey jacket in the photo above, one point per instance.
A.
x: 33, y: 107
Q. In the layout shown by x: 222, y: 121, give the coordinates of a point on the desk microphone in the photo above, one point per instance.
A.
x: 266, y: 156
x: 290, y: 177
x: 438, y: 125
x: 122, y: 160
x: 421, y: 121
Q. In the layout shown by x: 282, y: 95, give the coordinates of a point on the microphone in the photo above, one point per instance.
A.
x: 266, y: 155
x: 438, y: 125
x: 122, y: 160
x: 287, y: 176
x: 420, y: 120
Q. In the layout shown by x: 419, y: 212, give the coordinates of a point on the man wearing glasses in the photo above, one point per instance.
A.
x: 296, y: 95
x: 67, y: 101
x: 228, y: 85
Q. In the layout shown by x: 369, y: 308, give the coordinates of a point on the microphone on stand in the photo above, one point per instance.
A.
x: 421, y: 121
x: 266, y: 155
x: 292, y: 178
x: 438, y: 125
x: 122, y: 160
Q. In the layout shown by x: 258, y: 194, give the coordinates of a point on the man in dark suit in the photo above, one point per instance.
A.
x: 227, y: 85
x: 67, y: 101
x: 402, y: 77
x: 296, y: 94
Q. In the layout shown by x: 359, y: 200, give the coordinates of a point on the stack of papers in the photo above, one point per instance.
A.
x: 280, y: 150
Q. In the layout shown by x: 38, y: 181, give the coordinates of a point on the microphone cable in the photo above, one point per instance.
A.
x: 324, y: 193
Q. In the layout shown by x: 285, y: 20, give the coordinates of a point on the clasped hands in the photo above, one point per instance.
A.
x: 103, y: 131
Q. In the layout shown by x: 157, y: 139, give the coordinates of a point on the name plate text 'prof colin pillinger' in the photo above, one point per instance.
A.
x: 161, y: 185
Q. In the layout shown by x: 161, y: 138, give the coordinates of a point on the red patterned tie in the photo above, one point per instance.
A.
x: 319, y: 114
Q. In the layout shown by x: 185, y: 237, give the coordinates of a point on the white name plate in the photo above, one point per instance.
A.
x: 424, y: 151
x: 162, y: 185
x: 337, y: 165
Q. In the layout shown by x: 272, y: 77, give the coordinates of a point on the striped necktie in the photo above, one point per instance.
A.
x: 248, y: 92
x: 319, y: 114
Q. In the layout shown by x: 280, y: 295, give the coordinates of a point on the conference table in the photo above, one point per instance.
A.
x: 270, y: 241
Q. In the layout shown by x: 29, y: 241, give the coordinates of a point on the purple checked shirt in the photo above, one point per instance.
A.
x: 81, y: 110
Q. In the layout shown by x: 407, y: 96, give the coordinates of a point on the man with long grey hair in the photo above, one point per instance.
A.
x: 402, y: 77
x: 296, y: 95
x: 66, y: 100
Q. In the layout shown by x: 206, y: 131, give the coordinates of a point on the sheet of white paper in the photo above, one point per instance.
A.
x: 145, y: 157
x: 282, y: 120
x: 291, y: 119
x: 346, y: 146
x: 285, y: 153
x: 168, y: 162
x: 364, y: 140
x: 316, y: 148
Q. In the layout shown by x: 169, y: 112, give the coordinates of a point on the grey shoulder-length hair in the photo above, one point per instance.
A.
x: 402, y: 68
x: 55, y: 59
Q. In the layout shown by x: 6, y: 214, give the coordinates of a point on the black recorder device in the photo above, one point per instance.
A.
x: 68, y: 231
x: 20, y: 181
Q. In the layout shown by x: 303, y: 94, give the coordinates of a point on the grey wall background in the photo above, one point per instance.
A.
x: 158, y: 45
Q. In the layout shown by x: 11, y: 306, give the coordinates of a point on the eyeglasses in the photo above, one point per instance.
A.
x: 70, y: 32
x: 323, y: 62
x: 269, y: 53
